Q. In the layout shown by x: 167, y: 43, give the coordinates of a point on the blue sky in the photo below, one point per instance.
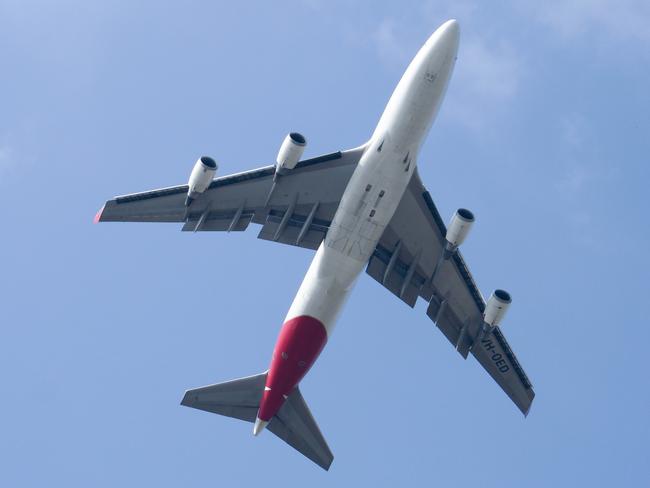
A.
x: 544, y: 135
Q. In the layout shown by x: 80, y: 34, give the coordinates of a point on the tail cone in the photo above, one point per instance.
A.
x: 259, y: 425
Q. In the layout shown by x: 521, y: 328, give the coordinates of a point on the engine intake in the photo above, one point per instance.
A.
x: 496, y: 308
x: 201, y: 177
x: 290, y: 152
x: 459, y: 227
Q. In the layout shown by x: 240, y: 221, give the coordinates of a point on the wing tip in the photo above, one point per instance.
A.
x: 187, y: 399
x: 525, y: 408
x: 98, y: 215
x: 326, y: 466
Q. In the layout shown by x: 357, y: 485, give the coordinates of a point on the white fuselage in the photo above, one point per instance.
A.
x: 379, y: 181
x: 367, y: 206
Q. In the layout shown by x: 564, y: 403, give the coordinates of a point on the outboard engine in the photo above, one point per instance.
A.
x: 200, y: 178
x: 496, y: 308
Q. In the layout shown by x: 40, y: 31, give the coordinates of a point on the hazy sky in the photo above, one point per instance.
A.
x: 544, y: 134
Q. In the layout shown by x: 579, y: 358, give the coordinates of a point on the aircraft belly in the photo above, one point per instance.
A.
x: 366, y: 208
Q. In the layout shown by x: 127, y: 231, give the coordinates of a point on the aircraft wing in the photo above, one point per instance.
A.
x: 404, y: 261
x: 295, y: 208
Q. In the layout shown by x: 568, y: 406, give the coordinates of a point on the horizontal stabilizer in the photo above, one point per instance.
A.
x: 240, y: 399
x: 295, y: 425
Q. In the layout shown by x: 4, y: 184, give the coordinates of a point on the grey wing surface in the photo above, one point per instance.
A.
x: 403, y: 263
x: 295, y: 208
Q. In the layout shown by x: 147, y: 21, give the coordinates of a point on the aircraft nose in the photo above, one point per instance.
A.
x: 438, y: 55
x: 448, y: 35
x: 452, y: 27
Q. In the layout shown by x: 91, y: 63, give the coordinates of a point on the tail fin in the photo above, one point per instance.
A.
x: 240, y: 399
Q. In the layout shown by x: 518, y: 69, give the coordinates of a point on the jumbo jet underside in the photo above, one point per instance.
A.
x: 363, y: 208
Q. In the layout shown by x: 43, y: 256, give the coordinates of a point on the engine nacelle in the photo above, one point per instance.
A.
x: 496, y: 308
x: 459, y: 227
x: 201, y: 177
x: 290, y: 152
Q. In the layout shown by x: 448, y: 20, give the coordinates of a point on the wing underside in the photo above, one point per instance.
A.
x: 404, y: 262
x: 296, y: 208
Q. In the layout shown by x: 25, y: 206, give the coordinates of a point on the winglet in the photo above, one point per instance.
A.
x: 98, y: 215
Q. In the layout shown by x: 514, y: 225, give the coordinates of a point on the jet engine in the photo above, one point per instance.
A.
x: 290, y: 152
x: 459, y: 227
x: 496, y: 308
x: 200, y: 178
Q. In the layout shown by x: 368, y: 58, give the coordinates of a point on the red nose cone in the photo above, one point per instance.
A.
x: 300, y: 342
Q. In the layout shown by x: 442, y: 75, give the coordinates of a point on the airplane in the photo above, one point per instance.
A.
x: 364, y: 207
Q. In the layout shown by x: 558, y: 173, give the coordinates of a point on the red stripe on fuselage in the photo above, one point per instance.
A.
x: 300, y: 342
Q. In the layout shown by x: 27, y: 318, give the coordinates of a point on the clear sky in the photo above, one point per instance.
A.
x: 544, y: 134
